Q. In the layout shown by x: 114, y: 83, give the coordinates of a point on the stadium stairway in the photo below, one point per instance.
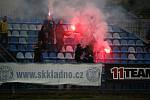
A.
x: 6, y: 56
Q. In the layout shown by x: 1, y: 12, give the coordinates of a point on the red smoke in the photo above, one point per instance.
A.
x: 93, y: 29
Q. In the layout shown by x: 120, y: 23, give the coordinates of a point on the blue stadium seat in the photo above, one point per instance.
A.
x: 16, y: 26
x: 13, y: 40
x: 45, y: 55
x: 139, y: 49
x: 116, y: 42
x: 39, y: 27
x: 131, y: 50
x: 116, y: 29
x: 109, y: 42
x: 20, y: 55
x: 32, y: 40
x: 116, y: 35
x: 60, y: 56
x: 22, y: 41
x: 32, y: 27
x: 124, y: 49
x: 32, y: 33
x: 124, y: 42
x: 15, y: 33
x: 139, y: 57
x: 69, y: 49
x: 109, y: 35
x: 10, y: 26
x: 12, y: 48
x: 29, y: 55
x: 131, y: 42
x: 124, y: 58
x: 21, y: 48
x: 139, y: 43
x: 29, y: 48
x: 52, y: 55
x: 110, y: 29
x: 116, y: 58
x: 68, y: 56
x: 24, y: 27
x: 116, y: 49
x: 123, y: 35
x: 23, y: 34
x: 147, y: 58
x: 131, y: 57
x: 63, y: 49
x: 132, y: 36
x: 9, y: 33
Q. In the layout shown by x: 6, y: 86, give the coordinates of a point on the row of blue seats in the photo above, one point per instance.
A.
x: 67, y: 27
x: 70, y: 48
x: 33, y: 40
x: 121, y: 56
x: 123, y: 35
x: 18, y: 33
x: 124, y: 59
x: 23, y: 33
x: 25, y: 40
x: 26, y: 48
x: 18, y: 41
x: 130, y: 49
x: 22, y: 40
x: 24, y: 27
x: 123, y: 42
x: 45, y: 55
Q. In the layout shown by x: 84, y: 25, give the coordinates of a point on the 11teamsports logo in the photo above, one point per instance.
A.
x: 123, y: 73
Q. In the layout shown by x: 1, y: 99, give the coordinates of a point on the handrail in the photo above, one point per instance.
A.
x: 8, y: 53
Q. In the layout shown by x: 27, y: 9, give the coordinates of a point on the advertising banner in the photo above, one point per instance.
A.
x: 52, y: 74
x: 127, y: 72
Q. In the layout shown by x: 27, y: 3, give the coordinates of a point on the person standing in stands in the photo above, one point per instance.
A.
x: 50, y: 27
x: 78, y: 53
x: 60, y: 35
x: 88, y: 54
x: 43, y: 38
x: 4, y: 31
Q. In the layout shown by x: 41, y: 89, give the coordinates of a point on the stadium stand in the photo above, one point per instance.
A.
x: 125, y: 46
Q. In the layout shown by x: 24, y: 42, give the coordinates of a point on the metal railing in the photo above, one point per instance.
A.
x: 9, y: 55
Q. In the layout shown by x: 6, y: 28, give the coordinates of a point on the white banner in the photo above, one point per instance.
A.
x: 52, y: 74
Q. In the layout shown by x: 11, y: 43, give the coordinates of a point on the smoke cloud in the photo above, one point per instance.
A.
x: 88, y: 13
x: 91, y: 14
x: 23, y: 8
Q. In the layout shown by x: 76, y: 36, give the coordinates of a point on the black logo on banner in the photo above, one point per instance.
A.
x: 6, y: 73
x: 93, y: 74
x: 122, y: 73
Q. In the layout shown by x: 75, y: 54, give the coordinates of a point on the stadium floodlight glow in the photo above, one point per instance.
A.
x: 73, y: 27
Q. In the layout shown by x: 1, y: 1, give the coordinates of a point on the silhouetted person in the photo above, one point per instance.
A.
x: 4, y: 31
x: 50, y: 26
x: 88, y: 54
x: 43, y: 37
x: 60, y: 35
x: 38, y: 54
x: 78, y: 53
